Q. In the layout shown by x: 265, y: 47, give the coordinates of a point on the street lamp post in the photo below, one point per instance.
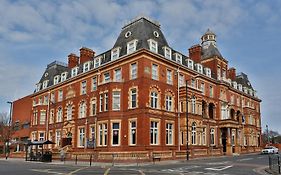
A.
x: 186, y: 115
x: 7, y: 149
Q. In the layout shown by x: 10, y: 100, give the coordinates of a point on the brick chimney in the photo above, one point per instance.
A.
x: 232, y: 73
x: 86, y: 54
x: 195, y: 53
x: 73, y: 60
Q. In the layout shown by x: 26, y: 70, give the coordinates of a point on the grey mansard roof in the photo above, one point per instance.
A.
x: 142, y: 29
x: 242, y: 79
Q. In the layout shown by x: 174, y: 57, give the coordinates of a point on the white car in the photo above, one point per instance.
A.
x: 270, y: 150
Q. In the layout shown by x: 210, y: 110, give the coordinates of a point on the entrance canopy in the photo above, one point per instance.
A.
x: 41, y: 142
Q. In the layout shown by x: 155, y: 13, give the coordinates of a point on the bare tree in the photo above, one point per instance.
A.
x: 6, y: 131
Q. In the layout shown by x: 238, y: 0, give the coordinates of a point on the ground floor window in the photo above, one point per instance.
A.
x: 169, y: 133
x: 154, y: 134
x: 115, y: 133
x: 102, y: 137
x: 212, y: 136
x: 133, y: 132
x: 81, y: 141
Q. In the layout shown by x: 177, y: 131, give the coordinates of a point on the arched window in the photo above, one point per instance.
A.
x: 153, y: 99
x: 82, y: 110
x: 193, y: 133
x: 59, y: 115
x: 69, y: 112
x: 193, y: 105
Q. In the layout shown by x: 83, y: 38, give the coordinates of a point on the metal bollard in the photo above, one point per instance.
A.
x: 112, y: 159
x: 91, y: 160
x: 76, y: 160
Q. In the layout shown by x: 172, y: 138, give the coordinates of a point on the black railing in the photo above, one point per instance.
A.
x: 274, y: 163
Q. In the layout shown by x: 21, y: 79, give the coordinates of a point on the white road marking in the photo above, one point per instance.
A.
x: 75, y: 171
x: 218, y: 163
x: 107, y: 171
x: 219, y: 168
x: 141, y: 172
x: 240, y: 160
x: 260, y: 157
x: 46, y: 171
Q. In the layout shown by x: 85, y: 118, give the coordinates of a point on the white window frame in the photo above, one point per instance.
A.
x: 193, y: 134
x: 58, y: 138
x: 132, y: 46
x: 113, y: 130
x: 63, y: 76
x: 56, y: 79
x: 115, y: 53
x: 38, y: 87
x: 74, y: 71
x: 199, y: 68
x: 169, y: 103
x: 193, y: 105
x: 101, y: 103
x: 116, y: 100
x: 118, y: 75
x: 155, y: 72
x: 133, y: 94
x: 169, y: 77
x: 212, y: 137
x: 45, y: 84
x: 169, y: 133
x: 106, y: 102
x: 153, y: 45
x: 60, y: 95
x: 82, y: 109
x: 97, y: 62
x: 154, y: 99
x: 94, y: 83
x: 181, y: 80
x: 81, y: 137
x: 42, y: 117
x: 94, y: 107
x: 178, y: 58
x: 83, y: 89
x: 167, y: 52
x: 154, y: 132
x: 106, y: 77
x: 69, y: 112
x: 102, y: 134
x: 208, y: 72
x: 190, y: 63
x: 86, y: 66
x: 59, y: 115
x: 134, y: 71
x: 132, y: 132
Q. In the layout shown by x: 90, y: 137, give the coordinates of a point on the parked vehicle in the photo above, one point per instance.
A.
x: 270, y: 150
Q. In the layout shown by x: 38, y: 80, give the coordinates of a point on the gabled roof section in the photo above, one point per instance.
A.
x: 141, y: 29
x: 211, y: 51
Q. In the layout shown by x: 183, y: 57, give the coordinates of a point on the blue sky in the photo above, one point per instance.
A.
x: 34, y: 33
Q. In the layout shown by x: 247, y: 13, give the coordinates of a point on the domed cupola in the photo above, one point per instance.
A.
x: 208, y: 38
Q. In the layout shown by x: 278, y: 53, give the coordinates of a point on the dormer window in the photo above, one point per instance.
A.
x: 178, y: 58
x: 234, y: 84
x: 167, y: 52
x: 74, y: 71
x: 45, y: 84
x: 115, y: 53
x: 38, y: 86
x: 251, y: 92
x: 190, y: 63
x: 56, y: 79
x: 131, y: 46
x: 245, y: 89
x: 153, y: 45
x: 208, y: 72
x: 200, y: 68
x: 240, y: 87
x: 63, y: 76
x: 97, y: 62
x: 86, y: 66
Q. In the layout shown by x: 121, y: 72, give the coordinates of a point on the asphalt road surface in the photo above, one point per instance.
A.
x: 236, y: 165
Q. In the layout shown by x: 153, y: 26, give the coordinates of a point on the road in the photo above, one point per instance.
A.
x: 236, y: 165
